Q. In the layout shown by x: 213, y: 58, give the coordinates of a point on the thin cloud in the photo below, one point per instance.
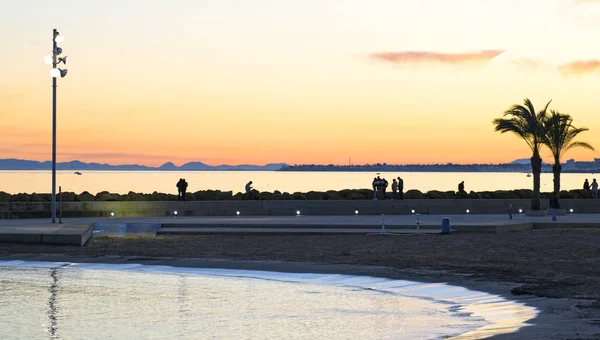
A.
x: 425, y: 57
x: 580, y: 67
x: 527, y: 64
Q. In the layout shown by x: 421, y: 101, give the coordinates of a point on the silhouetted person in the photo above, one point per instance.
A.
x: 184, y: 185
x: 461, y: 189
x: 554, y: 205
x: 400, y: 188
x: 375, y: 188
x: 586, y: 185
x: 394, y: 188
x: 594, y: 187
x: 384, y: 185
x: 179, y: 189
x: 250, y: 192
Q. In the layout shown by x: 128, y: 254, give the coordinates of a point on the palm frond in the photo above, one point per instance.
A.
x: 560, y: 134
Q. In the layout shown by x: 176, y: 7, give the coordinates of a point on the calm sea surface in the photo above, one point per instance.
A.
x: 96, y: 301
x: 164, y: 181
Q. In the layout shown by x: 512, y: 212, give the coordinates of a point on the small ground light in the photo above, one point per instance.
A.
x: 297, y: 212
x: 237, y: 213
x: 520, y: 211
x: 468, y: 211
x: 112, y: 214
x: 175, y: 212
x: 356, y: 212
x: 571, y: 211
x: 412, y: 211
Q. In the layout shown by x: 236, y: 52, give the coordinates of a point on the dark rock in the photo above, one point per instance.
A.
x: 86, y: 197
x: 204, y: 195
x: 504, y: 194
x: 265, y: 195
x: 159, y: 196
x: 299, y: 196
x: 413, y: 194
x: 473, y: 195
x: 344, y: 193
x: 334, y: 195
x: 223, y: 195
x: 486, y: 195
x: 356, y: 195
x: 133, y: 196
x: 434, y: 194
x: 36, y: 198
x: 314, y: 195
x: 580, y: 193
x: 4, y: 196
x: 524, y: 193
x: 20, y: 197
x: 67, y: 196
x: 107, y: 197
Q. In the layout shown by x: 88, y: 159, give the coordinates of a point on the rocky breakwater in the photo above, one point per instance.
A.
x: 216, y: 195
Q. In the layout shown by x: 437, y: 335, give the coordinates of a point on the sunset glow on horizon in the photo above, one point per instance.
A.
x: 295, y: 81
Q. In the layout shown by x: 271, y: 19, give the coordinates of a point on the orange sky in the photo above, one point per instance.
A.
x: 298, y: 81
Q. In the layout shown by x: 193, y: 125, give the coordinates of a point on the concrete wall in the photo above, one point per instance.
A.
x: 254, y: 208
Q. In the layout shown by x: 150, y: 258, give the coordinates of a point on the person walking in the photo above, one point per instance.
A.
x: 594, y: 187
x: 400, y: 188
x: 184, y: 185
x: 251, y: 193
x: 179, y: 189
x: 554, y: 205
x: 394, y: 188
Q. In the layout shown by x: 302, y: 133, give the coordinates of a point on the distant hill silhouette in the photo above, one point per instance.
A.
x: 21, y: 164
x: 524, y: 161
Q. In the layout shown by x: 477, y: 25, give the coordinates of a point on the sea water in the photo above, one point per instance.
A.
x: 41, y: 300
x: 165, y: 181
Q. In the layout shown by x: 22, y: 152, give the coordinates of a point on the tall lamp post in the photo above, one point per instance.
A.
x: 54, y: 59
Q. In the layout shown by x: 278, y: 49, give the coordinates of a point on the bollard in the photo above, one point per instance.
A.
x: 445, y: 225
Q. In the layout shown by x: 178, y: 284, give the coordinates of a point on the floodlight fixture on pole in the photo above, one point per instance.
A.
x: 55, y: 72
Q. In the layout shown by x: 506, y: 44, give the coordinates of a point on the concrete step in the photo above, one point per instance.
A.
x: 286, y: 225
x: 283, y: 231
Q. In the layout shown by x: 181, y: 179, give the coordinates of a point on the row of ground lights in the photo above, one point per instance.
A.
x: 112, y: 214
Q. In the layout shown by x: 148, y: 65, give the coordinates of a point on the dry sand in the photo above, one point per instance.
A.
x: 556, y: 271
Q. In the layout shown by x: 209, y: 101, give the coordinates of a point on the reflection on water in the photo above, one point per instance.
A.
x: 52, y: 309
x: 157, y: 302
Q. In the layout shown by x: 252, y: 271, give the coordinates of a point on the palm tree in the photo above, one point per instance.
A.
x: 527, y: 124
x: 559, y: 138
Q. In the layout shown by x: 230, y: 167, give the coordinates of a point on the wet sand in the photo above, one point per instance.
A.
x: 556, y: 271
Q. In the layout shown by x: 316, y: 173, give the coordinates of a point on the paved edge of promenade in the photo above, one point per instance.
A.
x: 77, y: 231
x: 52, y: 234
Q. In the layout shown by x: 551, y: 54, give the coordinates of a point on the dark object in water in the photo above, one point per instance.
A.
x: 77, y: 173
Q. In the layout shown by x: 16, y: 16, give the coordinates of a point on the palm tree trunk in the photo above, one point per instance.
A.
x: 556, y: 168
x: 536, y: 169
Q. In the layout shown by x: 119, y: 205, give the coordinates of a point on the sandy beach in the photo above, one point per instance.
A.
x: 556, y: 271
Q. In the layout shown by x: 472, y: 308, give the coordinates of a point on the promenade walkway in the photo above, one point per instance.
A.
x: 77, y: 231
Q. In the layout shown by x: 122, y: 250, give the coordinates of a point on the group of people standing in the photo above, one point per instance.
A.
x: 593, y: 187
x: 380, y: 186
x: 181, y: 189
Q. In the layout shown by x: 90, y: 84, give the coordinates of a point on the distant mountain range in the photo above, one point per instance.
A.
x: 523, y: 161
x: 21, y: 164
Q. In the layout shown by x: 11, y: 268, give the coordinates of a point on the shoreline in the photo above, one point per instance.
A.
x: 478, y: 304
x: 549, y: 323
x: 555, y: 271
